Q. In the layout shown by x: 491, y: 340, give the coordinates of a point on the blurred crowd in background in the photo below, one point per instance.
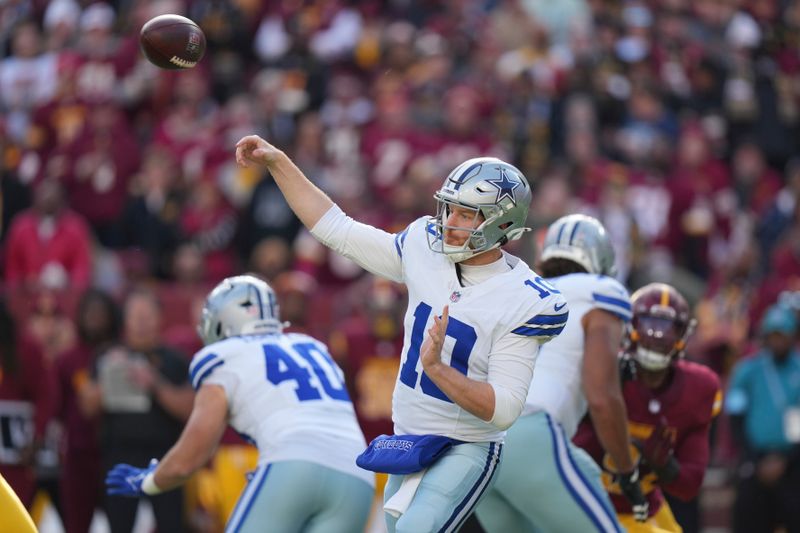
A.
x: 674, y: 122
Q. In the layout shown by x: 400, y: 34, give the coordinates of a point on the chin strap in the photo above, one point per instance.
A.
x: 458, y: 274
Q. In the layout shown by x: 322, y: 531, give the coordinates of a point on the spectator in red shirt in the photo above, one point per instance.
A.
x: 98, y: 321
x: 49, y: 242
x: 27, y: 399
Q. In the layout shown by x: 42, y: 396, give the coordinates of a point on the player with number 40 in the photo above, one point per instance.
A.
x: 282, y: 392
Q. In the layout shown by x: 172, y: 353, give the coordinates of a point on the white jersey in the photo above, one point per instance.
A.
x: 287, y: 396
x: 557, y: 387
x: 493, y: 334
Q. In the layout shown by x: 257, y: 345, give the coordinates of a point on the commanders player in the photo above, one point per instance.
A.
x: 287, y: 394
x: 671, y: 403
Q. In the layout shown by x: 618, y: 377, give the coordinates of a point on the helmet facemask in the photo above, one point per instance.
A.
x: 658, y: 340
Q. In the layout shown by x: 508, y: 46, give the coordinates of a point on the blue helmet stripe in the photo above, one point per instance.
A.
x: 560, y: 233
x: 460, y: 181
x: 260, y: 303
x: 574, y: 231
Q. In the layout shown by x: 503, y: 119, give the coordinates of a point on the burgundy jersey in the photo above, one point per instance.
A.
x: 689, y: 403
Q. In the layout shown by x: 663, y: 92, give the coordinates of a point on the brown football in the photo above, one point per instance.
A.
x: 172, y: 42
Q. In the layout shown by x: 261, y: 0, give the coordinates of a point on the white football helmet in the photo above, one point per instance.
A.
x: 239, y: 305
x: 491, y: 188
x: 583, y: 240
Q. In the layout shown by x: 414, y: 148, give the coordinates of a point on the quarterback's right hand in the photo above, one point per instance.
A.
x: 629, y: 484
x: 252, y: 149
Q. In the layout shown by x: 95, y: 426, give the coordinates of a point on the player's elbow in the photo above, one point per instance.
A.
x: 507, y: 409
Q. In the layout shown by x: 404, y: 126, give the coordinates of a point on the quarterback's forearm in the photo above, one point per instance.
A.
x: 474, y: 396
x: 307, y: 201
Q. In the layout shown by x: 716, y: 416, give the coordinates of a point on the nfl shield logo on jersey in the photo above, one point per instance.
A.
x: 456, y: 296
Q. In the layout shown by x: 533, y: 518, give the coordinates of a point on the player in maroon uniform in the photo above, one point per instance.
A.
x: 670, y: 402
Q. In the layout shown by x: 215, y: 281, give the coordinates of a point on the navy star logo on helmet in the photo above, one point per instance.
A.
x: 505, y: 187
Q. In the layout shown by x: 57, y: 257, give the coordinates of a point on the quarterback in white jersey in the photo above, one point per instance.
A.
x: 283, y: 393
x: 558, y: 488
x: 464, y: 375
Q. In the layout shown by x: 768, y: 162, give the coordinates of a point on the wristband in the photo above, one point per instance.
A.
x: 149, y: 486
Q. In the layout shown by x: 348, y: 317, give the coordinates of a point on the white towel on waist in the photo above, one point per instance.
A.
x: 400, y: 500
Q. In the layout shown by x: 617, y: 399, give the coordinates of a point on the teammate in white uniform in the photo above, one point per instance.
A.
x: 284, y: 393
x: 547, y: 483
x: 469, y: 379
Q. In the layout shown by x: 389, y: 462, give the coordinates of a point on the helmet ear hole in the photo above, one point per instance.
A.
x: 219, y: 329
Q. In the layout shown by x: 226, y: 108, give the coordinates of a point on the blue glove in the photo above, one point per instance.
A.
x: 126, y: 480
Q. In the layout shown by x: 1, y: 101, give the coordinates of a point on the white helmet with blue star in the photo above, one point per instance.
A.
x: 492, y: 188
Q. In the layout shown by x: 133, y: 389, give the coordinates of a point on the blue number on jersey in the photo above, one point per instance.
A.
x: 541, y: 286
x: 465, y: 337
x: 307, y: 351
x: 283, y: 366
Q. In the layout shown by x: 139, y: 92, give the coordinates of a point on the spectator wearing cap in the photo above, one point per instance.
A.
x: 763, y: 402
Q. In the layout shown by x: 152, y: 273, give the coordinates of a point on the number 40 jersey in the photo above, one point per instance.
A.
x: 286, y: 395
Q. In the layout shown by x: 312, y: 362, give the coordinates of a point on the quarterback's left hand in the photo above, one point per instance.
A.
x: 126, y: 480
x: 431, y: 351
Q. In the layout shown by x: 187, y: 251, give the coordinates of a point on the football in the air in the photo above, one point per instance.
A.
x: 172, y: 42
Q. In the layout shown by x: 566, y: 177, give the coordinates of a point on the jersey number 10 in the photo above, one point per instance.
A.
x: 465, y: 337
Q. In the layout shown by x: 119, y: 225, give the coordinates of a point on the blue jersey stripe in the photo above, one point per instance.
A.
x: 403, y: 236
x: 602, y: 298
x: 399, y: 241
x: 549, y: 319
x: 625, y: 316
x: 207, y: 372
x: 537, y: 332
x: 198, y: 366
